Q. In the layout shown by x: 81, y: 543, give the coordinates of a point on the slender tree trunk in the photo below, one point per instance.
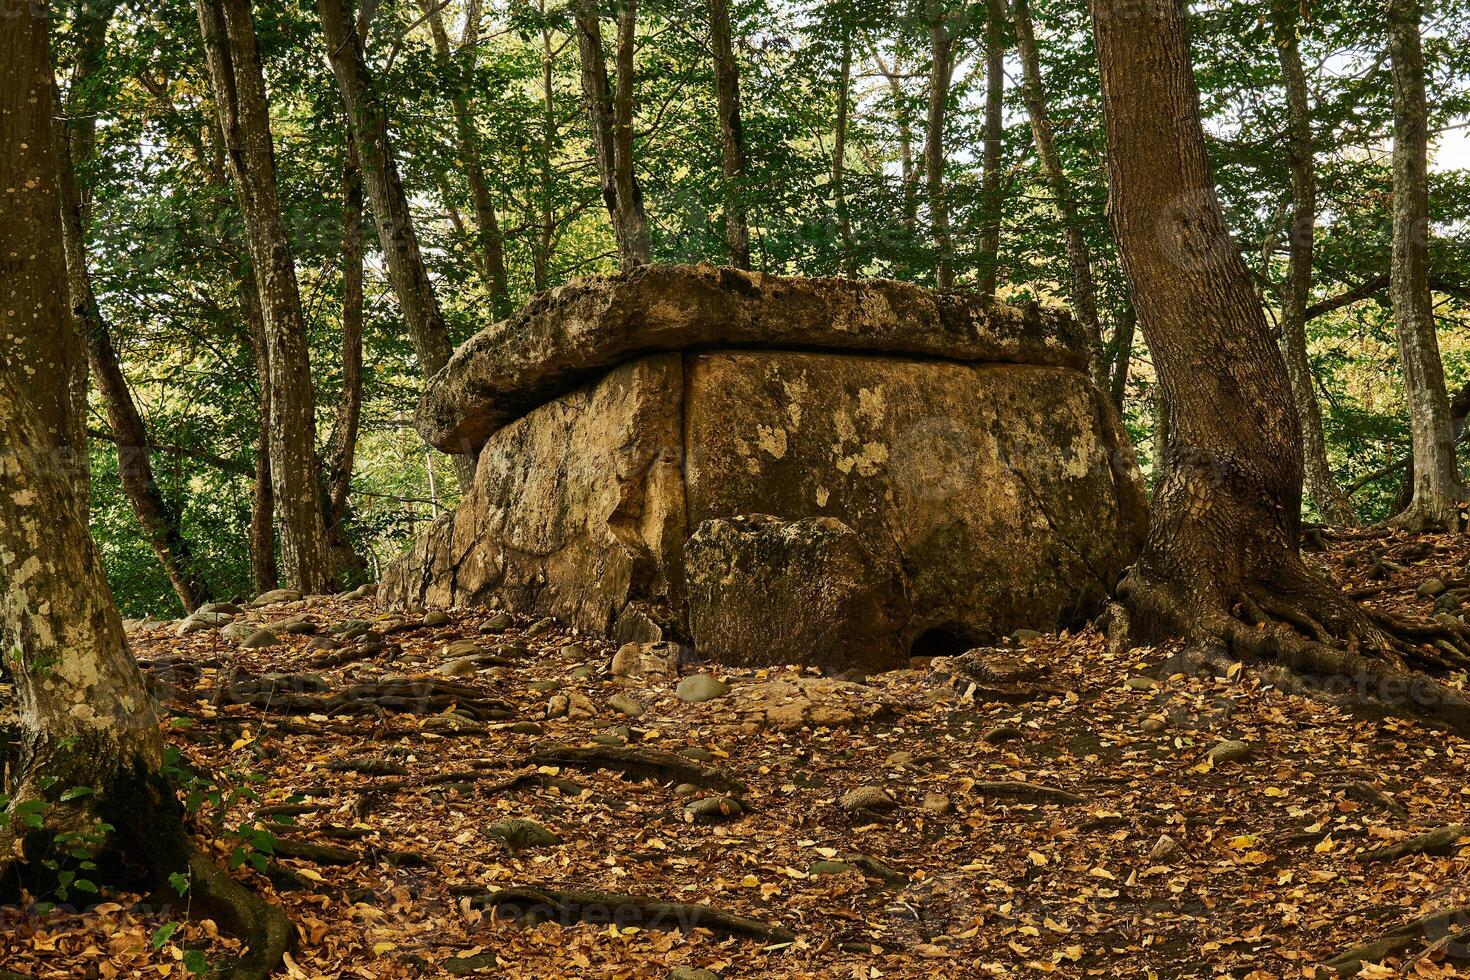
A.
x: 1122, y: 356
x: 1321, y: 486
x: 990, y: 189
x: 908, y: 174
x: 228, y: 29
x: 348, y: 565
x: 611, y: 142
x: 546, y: 237
x: 732, y: 136
x: 839, y: 157
x: 487, y: 224
x: 1079, y: 256
x: 159, y: 521
x: 263, y: 570
x: 630, y: 195
x: 940, y: 53
x: 87, y: 719
x: 406, y: 269
x: 1221, y: 564
x: 343, y: 445
x: 1437, y: 486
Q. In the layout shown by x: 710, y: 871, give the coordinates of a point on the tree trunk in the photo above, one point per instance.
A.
x: 940, y: 48
x: 396, y: 235
x: 53, y: 363
x: 228, y: 30
x: 839, y: 157
x: 1221, y: 565
x: 990, y: 189
x: 1121, y: 356
x: 158, y: 520
x: 546, y: 233
x: 1321, y: 486
x: 732, y: 136
x: 487, y: 225
x: 87, y: 719
x: 1079, y: 257
x: 630, y: 195
x: 908, y: 176
x: 620, y: 191
x: 263, y: 571
x: 1437, y: 486
x: 342, y: 446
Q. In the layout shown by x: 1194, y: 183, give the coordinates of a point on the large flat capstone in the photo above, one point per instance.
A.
x: 810, y: 505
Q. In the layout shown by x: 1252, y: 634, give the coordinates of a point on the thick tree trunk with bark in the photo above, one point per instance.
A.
x: 1079, y: 256
x: 1296, y: 291
x: 1437, y: 485
x: 612, y: 143
x: 55, y: 362
x: 1221, y: 565
x: 990, y: 187
x: 86, y: 716
x: 228, y: 29
x: 732, y: 136
x: 487, y: 223
x: 941, y: 46
x: 159, y: 521
x: 400, y: 244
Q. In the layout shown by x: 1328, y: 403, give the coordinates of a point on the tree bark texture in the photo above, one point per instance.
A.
x: 620, y: 191
x: 732, y: 135
x: 839, y: 157
x: 1296, y: 291
x: 1079, y: 256
x: 1437, y: 485
x: 400, y: 244
x: 36, y: 344
x: 228, y: 29
x: 991, y: 200
x: 159, y: 520
x: 1221, y: 565
x: 488, y: 235
x: 941, y: 46
x: 630, y: 195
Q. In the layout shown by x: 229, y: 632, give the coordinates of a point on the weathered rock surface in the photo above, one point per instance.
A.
x: 568, y: 335
x: 765, y: 592
x: 804, y: 701
x: 915, y: 505
x: 1006, y: 491
x: 576, y: 510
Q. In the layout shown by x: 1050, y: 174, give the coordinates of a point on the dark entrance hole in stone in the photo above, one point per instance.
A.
x: 942, y: 641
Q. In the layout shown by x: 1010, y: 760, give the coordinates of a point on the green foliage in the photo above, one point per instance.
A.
x: 168, y: 251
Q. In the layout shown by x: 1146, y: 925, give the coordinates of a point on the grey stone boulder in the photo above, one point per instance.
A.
x: 766, y: 592
x: 261, y: 639
x: 275, y: 596
x: 701, y: 687
x: 239, y: 630
x: 520, y: 834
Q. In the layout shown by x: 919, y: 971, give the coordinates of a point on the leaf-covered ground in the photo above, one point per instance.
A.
x: 1268, y: 874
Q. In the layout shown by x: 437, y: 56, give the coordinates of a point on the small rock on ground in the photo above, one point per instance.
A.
x: 701, y: 687
x: 1230, y: 750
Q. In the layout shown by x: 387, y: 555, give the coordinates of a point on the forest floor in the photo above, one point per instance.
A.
x: 381, y: 813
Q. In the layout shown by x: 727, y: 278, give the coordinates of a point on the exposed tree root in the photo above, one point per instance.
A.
x: 417, y: 696
x: 642, y: 763
x: 1305, y: 636
x: 148, y: 845
x: 1030, y: 792
x: 1439, y: 842
x: 1437, y: 928
x: 534, y: 904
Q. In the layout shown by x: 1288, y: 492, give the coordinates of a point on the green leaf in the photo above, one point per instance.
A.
x: 77, y: 793
x: 180, y: 882
x: 164, y: 933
